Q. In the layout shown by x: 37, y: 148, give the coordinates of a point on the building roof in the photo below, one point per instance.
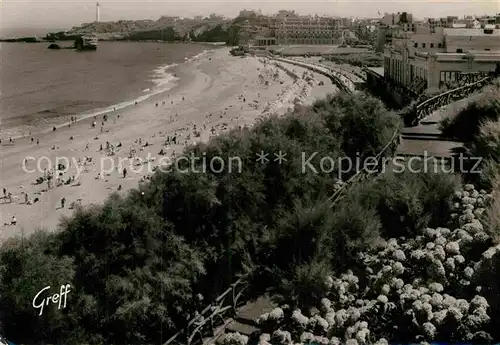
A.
x: 377, y: 70
x: 469, y: 32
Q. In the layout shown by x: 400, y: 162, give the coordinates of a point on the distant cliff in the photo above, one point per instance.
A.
x: 212, y: 29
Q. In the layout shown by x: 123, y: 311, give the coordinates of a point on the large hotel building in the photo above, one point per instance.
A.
x: 289, y: 28
x: 446, y: 57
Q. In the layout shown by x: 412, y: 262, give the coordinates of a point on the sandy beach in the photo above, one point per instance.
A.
x: 219, y: 92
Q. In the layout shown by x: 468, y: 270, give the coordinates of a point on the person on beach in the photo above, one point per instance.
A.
x: 54, y: 128
x: 10, y: 140
x: 38, y: 141
x: 124, y: 172
x: 13, y: 221
x: 4, y: 193
x: 32, y: 140
x: 26, y: 199
x: 63, y: 201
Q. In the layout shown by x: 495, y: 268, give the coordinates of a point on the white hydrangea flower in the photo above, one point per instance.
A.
x: 326, y: 304
x: 439, y: 316
x: 459, y: 259
x: 478, y: 212
x: 329, y: 282
x: 436, y: 299
x: 473, y: 226
x: 467, y: 200
x: 429, y: 330
x: 277, y: 314
x: 417, y: 254
x: 281, y: 337
x: 436, y: 287
x: 306, y: 337
x: 349, y: 331
x: 407, y: 288
x: 479, y: 302
x: 382, y: 299
x: 399, y: 255
x: 417, y: 305
x: 392, y: 243
x: 469, y: 187
x: 430, y: 246
x: 430, y: 233
x: 386, y: 270
x: 398, y: 268
x: 398, y: 283
x: 440, y: 241
x: 425, y: 298
x: 437, y: 270
x: 322, y: 323
x: 458, y: 195
x: 453, y: 248
x: 321, y: 340
x: 455, y: 313
x: 299, y: 319
x: 463, y: 305
x: 439, y: 252
x: 262, y: 319
x: 335, y: 341
x: 382, y: 341
x: 481, y: 236
x: 341, y: 317
x: 449, y: 301
x: 233, y: 339
x: 265, y: 337
x: 468, y: 272
x: 443, y: 231
x: 330, y: 318
x: 385, y: 289
x: 361, y: 336
x: 351, y: 342
x: 450, y: 264
x: 353, y: 314
x: 469, y: 207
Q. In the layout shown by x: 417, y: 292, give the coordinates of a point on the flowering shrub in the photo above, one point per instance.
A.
x: 416, y: 289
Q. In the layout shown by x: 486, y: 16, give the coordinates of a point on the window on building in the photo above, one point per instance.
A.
x: 440, y: 45
x: 432, y: 45
x: 415, y: 45
x: 423, y: 45
x: 460, y: 50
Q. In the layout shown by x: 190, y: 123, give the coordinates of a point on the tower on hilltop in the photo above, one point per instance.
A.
x: 97, y: 12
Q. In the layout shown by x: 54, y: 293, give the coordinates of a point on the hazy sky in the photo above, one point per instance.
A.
x: 67, y: 13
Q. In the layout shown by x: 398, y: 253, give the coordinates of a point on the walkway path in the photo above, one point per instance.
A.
x: 427, y: 138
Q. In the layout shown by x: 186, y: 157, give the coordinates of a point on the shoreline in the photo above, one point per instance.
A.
x: 172, y: 69
x: 222, y: 93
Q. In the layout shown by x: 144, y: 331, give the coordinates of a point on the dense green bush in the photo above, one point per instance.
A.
x: 464, y: 126
x: 407, y: 202
x: 137, y: 263
x: 367, y: 59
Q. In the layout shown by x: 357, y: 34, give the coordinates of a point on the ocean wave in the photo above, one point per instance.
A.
x: 162, y: 78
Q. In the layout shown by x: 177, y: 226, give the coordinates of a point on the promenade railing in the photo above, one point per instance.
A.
x: 430, y: 105
x: 205, y: 324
